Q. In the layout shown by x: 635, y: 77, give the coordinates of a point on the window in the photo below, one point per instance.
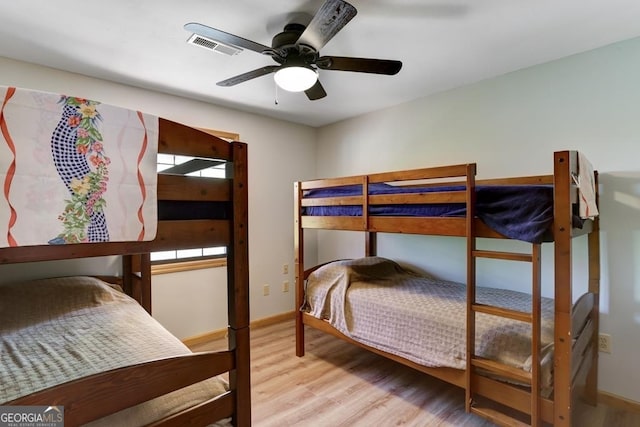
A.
x: 189, y: 259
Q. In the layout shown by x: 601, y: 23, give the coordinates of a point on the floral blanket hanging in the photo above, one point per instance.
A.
x: 75, y: 170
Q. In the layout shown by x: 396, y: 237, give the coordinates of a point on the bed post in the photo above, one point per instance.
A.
x: 136, y: 278
x: 298, y: 249
x: 127, y: 274
x: 238, y: 288
x: 564, y: 163
x: 371, y: 243
x: 591, y: 391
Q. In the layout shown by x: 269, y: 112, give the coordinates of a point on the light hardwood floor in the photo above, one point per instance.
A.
x: 338, y: 384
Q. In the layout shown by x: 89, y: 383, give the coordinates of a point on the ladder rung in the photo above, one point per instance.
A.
x: 502, y: 370
x: 511, y: 256
x: 502, y: 312
x: 497, y: 417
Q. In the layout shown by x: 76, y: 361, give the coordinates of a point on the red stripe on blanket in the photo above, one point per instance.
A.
x: 143, y: 189
x: 12, y: 168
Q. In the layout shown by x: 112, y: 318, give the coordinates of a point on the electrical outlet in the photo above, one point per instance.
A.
x: 265, y: 290
x: 285, y: 286
x: 285, y: 269
x: 604, y: 343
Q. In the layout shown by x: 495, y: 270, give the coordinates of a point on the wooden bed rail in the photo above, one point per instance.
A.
x: 91, y: 397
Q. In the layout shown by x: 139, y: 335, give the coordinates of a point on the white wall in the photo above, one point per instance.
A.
x: 510, y: 126
x: 279, y: 153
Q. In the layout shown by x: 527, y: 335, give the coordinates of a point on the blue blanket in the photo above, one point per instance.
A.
x: 518, y: 212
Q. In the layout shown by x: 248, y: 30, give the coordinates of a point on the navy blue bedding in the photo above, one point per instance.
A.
x: 518, y: 212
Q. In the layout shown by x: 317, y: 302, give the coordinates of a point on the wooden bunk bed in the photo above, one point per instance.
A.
x: 193, y: 212
x: 359, y: 205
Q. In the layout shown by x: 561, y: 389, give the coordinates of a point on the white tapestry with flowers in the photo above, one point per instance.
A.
x: 75, y: 170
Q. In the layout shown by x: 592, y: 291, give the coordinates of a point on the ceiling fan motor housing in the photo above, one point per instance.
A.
x: 288, y: 50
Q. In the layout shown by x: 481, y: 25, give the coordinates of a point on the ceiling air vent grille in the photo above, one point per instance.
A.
x: 213, y: 45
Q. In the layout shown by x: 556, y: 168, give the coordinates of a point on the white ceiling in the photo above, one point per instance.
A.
x: 442, y: 43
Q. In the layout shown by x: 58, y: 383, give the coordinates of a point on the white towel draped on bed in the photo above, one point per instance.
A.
x: 74, y: 170
x: 587, y: 188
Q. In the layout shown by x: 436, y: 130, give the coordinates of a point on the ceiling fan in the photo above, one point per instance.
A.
x: 297, y: 50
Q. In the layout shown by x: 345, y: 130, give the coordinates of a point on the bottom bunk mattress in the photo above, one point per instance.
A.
x: 57, y: 330
x: 377, y: 302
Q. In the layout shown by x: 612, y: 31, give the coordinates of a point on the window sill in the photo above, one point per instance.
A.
x: 176, y: 267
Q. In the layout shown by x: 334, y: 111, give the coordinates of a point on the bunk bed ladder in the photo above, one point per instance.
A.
x: 476, y: 363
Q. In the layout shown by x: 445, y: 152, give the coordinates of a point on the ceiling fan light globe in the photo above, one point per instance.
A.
x: 296, y: 78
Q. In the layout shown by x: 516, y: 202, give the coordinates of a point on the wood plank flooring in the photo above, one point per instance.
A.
x: 338, y: 384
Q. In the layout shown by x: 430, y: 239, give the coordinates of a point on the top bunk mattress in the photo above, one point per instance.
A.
x: 523, y: 212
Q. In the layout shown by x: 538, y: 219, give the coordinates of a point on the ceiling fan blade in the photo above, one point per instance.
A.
x: 315, y: 92
x: 240, y: 78
x: 221, y: 36
x: 360, y: 65
x: 330, y: 18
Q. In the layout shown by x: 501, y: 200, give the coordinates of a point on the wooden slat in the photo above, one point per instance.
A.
x: 583, y: 341
x: 440, y: 226
x: 191, y: 234
x: 418, y: 198
x: 411, y: 225
x: 80, y: 250
x: 205, y: 413
x: 580, y: 374
x: 510, y: 256
x: 503, y: 312
x: 193, y: 188
x: 396, y: 176
x: 331, y: 182
x: 425, y: 173
x: 91, y: 397
x: 519, y: 180
x: 175, y: 138
x: 582, y: 310
x: 496, y: 417
x: 512, y: 396
x: 333, y: 222
x: 502, y: 370
x: 332, y: 201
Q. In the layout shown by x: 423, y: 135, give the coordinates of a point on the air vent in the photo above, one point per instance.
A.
x: 213, y: 45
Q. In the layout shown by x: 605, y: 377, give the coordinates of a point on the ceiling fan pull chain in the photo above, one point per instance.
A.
x: 276, y: 94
